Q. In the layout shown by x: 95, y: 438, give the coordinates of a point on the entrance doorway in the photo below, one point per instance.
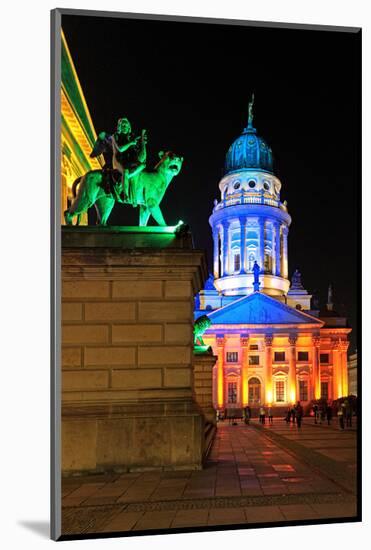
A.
x: 254, y: 391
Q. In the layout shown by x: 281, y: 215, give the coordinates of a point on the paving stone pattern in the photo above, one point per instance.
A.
x: 254, y: 474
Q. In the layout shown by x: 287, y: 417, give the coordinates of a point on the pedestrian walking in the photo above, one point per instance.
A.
x: 299, y: 414
x: 288, y: 415
x: 348, y: 414
x: 262, y: 415
x: 322, y: 413
x: 293, y: 414
x: 247, y: 414
x: 315, y: 411
x: 329, y: 414
x: 341, y: 417
x: 270, y: 415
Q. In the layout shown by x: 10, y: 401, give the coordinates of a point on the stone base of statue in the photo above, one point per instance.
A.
x: 128, y: 401
x: 203, y: 363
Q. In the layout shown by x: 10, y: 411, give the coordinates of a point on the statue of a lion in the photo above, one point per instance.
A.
x: 200, y: 326
x: 149, y: 188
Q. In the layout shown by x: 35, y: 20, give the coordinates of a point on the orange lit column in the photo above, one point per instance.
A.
x: 244, y: 369
x: 336, y: 368
x: 344, y: 345
x: 316, y: 374
x: 268, y: 341
x: 292, y: 368
x: 220, y: 343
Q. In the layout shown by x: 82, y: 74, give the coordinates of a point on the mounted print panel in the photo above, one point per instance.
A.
x: 206, y: 349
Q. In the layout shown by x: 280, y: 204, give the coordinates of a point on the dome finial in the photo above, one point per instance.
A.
x: 251, y: 115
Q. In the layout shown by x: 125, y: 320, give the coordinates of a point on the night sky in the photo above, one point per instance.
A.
x: 189, y: 85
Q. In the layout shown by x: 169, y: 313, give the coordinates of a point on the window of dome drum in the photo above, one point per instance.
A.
x: 252, y: 183
x: 324, y: 358
x: 237, y: 185
x: 279, y: 356
x: 266, y: 185
x: 237, y: 263
x: 232, y: 356
x: 254, y: 360
x: 303, y: 356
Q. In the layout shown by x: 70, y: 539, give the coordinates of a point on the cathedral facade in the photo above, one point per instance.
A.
x: 274, y: 346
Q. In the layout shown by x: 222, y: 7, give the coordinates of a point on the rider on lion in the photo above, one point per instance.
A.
x: 126, y: 154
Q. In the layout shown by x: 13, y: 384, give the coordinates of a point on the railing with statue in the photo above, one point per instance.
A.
x: 249, y: 198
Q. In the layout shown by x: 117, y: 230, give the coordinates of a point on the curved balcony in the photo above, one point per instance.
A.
x: 250, y: 198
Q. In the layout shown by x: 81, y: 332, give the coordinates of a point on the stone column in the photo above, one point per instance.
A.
x: 261, y: 243
x: 220, y: 344
x: 268, y: 341
x: 216, y: 252
x: 292, y: 369
x: 244, y: 342
x: 316, y: 374
x: 225, y: 247
x: 284, y: 271
x: 277, y: 256
x: 343, y: 348
x: 203, y: 364
x: 337, y: 370
x: 243, y: 244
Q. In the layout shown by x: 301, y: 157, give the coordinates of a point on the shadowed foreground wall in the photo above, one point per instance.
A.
x: 127, y: 317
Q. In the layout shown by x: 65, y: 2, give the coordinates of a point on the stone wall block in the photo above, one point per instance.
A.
x: 164, y: 355
x: 110, y: 311
x: 136, y: 333
x: 165, y: 311
x: 71, y: 311
x: 136, y: 379
x: 137, y: 289
x: 84, y: 380
x: 175, y: 377
x: 71, y: 357
x: 178, y: 289
x: 85, y: 289
x: 178, y: 333
x: 85, y: 334
x: 96, y: 356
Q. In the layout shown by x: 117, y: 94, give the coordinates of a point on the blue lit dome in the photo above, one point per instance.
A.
x: 249, y: 151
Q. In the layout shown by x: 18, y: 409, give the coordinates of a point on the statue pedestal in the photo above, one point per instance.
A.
x: 127, y: 350
x: 203, y: 363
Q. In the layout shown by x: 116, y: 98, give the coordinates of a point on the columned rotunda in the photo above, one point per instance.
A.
x: 274, y: 345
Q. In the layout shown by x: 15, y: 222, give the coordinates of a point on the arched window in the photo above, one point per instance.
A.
x: 268, y: 261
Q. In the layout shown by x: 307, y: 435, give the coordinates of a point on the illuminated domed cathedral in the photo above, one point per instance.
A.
x: 273, y: 346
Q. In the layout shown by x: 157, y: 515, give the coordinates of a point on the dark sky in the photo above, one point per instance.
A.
x: 189, y: 85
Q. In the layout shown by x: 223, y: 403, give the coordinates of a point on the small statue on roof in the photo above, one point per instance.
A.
x: 256, y: 271
x: 296, y: 283
x: 251, y: 114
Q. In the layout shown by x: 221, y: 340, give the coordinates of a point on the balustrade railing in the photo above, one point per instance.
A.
x: 249, y: 199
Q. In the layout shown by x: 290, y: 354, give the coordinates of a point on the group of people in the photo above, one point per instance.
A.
x: 295, y: 414
x: 344, y: 412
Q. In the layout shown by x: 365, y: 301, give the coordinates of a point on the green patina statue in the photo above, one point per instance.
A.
x: 200, y: 326
x: 150, y: 187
